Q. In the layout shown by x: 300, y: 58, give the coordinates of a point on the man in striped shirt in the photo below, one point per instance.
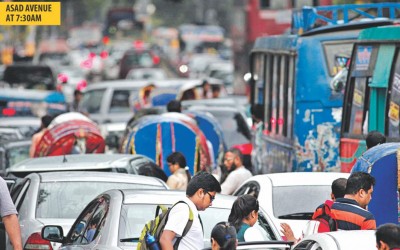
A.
x: 351, y: 211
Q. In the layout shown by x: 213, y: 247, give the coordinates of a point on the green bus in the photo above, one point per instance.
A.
x: 372, y: 93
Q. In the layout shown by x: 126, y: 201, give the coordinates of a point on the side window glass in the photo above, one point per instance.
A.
x: 96, y: 223
x: 242, y: 190
x: 18, y: 193
x: 92, y: 100
x: 77, y: 235
x: 263, y: 226
x: 357, y: 110
x: 120, y: 101
x: 394, y: 105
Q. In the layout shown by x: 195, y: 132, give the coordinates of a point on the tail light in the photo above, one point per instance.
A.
x: 35, y: 241
x: 9, y: 112
x: 156, y: 60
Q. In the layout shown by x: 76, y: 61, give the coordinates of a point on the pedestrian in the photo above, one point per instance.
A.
x: 45, y: 122
x: 205, y: 86
x: 75, y: 105
x: 174, y: 106
x: 243, y: 216
x: 374, y: 138
x: 223, y: 237
x: 215, y: 91
x: 200, y: 193
x: 180, y: 175
x: 388, y: 237
x: 338, y: 188
x: 351, y: 211
x: 237, y: 173
x: 9, y: 217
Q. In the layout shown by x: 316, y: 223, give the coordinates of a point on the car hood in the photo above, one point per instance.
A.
x: 64, y: 223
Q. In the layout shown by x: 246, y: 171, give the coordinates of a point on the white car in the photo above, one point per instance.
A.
x: 343, y: 240
x: 291, y: 197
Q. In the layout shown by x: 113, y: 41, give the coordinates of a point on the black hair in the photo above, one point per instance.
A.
x: 77, y: 92
x: 46, y: 120
x: 174, y: 106
x: 359, y: 180
x: 237, y: 153
x: 390, y: 234
x: 257, y: 111
x: 339, y: 187
x: 241, y: 209
x: 151, y: 169
x: 205, y: 181
x: 204, y: 83
x: 179, y: 158
x: 215, y: 88
x: 225, y: 235
x: 374, y: 138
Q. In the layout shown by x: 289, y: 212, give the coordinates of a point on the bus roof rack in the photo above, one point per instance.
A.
x: 309, y: 18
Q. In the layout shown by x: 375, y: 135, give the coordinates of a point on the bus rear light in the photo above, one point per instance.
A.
x: 9, y: 112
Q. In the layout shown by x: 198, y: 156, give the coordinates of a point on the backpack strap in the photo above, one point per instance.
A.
x: 187, y: 227
x: 327, y: 207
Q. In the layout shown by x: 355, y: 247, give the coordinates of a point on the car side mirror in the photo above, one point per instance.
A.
x: 53, y: 233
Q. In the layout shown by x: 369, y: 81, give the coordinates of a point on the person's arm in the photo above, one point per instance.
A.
x: 13, y: 230
x: 166, y: 240
x: 33, y: 146
x: 229, y: 185
x: 171, y: 182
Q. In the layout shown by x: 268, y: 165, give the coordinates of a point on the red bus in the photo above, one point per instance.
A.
x: 255, y: 18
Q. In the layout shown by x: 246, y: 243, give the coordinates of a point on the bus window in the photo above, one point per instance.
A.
x: 258, y: 77
x: 394, y: 104
x: 357, y: 109
x: 337, y: 54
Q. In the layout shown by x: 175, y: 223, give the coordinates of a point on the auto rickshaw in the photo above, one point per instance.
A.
x: 70, y: 133
x: 157, y: 136
x: 383, y: 162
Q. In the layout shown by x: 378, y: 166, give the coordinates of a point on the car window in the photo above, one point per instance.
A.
x: 17, y: 154
x: 307, y: 245
x: 251, y: 188
x: 142, y: 59
x: 96, y: 222
x: 66, y: 199
x: 18, y: 192
x: 77, y: 236
x: 300, y: 209
x: 135, y: 216
x: 120, y: 101
x: 92, y: 100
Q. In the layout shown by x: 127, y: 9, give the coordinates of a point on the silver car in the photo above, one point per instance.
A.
x: 122, y: 214
x: 58, y: 198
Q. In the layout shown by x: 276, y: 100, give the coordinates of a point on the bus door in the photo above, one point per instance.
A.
x: 356, y: 105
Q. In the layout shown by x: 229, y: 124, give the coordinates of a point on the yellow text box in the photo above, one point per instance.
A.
x: 30, y: 13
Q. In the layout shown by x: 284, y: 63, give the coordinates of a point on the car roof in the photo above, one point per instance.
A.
x: 72, y: 162
x: 73, y: 176
x: 169, y: 196
x: 228, y: 101
x: 300, y: 178
x: 18, y: 121
x: 16, y: 143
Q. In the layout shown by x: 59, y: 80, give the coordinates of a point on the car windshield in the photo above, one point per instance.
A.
x: 67, y: 199
x: 17, y: 153
x: 300, y: 208
x: 135, y: 216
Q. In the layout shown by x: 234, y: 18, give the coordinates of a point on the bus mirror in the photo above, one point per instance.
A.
x: 338, y: 82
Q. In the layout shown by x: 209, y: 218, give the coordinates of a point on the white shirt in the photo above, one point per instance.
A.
x: 235, y: 179
x: 177, y: 220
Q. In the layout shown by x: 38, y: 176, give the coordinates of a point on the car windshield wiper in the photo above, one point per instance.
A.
x: 130, y: 240
x: 297, y: 216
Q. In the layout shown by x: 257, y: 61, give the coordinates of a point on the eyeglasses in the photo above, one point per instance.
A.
x: 228, y: 159
x: 212, y: 197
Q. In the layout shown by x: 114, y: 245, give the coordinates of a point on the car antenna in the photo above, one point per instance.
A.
x: 64, y: 157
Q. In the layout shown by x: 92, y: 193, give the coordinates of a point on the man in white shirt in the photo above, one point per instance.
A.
x: 233, y: 162
x: 200, y: 193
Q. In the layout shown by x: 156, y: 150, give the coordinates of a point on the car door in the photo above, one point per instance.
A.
x: 84, y: 234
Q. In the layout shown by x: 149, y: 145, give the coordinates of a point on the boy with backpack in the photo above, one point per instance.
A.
x: 200, y: 193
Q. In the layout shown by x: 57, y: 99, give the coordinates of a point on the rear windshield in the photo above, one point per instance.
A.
x: 67, y: 199
x: 92, y: 100
x: 30, y: 77
x: 287, y: 205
